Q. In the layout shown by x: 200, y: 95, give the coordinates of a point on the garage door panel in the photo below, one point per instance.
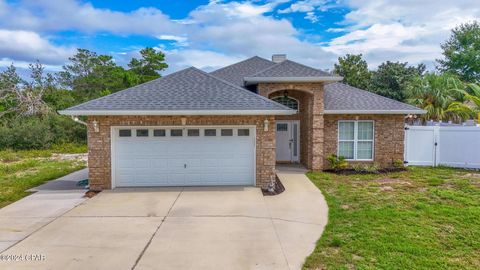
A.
x: 184, y: 161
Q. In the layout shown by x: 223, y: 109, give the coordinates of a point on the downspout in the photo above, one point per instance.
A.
x: 75, y: 118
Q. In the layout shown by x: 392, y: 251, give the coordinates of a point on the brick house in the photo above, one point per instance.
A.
x: 233, y: 125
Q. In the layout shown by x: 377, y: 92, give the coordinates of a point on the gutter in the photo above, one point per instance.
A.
x: 75, y: 118
x: 171, y: 112
x: 375, y: 112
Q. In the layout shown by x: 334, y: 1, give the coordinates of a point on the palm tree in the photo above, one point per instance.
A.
x: 440, y: 95
x: 471, y: 106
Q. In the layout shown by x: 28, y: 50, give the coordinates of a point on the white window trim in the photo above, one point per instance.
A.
x: 298, y: 101
x: 355, y: 139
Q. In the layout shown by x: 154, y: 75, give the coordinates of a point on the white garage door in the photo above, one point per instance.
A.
x: 179, y: 156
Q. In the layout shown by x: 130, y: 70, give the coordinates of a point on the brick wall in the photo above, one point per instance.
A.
x: 388, y: 138
x: 99, y: 161
x: 310, y: 115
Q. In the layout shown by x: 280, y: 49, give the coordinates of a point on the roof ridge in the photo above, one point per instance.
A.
x: 240, y: 88
x: 268, y: 68
x: 253, y: 57
x: 375, y: 94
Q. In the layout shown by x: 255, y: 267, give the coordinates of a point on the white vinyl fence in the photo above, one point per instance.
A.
x: 455, y: 146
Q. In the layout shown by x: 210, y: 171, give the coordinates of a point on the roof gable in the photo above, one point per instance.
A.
x: 236, y: 72
x: 188, y: 90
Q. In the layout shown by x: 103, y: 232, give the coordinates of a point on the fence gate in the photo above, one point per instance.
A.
x: 455, y: 146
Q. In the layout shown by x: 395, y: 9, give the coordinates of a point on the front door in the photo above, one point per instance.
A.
x: 287, y: 141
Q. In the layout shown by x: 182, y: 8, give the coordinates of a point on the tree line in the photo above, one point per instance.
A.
x: 28, y: 107
x: 449, y: 93
x: 28, y: 117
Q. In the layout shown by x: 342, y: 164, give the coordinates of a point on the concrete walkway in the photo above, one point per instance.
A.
x: 50, y: 200
x: 183, y: 228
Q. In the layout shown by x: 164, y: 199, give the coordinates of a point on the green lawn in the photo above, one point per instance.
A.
x: 22, y: 170
x: 424, y: 218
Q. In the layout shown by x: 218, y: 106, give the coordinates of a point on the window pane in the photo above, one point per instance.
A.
x: 227, y: 132
x: 364, y: 150
x: 193, y: 132
x: 243, y: 132
x: 125, y: 133
x: 142, y: 132
x: 287, y: 101
x: 365, y: 131
x: 159, y: 132
x: 345, y: 149
x: 345, y: 130
x: 282, y: 127
x: 210, y: 132
x: 176, y: 133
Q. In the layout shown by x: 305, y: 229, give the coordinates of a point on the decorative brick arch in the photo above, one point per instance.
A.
x: 310, y: 96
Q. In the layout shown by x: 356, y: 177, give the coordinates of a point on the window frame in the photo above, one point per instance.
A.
x: 289, y: 97
x: 355, y: 138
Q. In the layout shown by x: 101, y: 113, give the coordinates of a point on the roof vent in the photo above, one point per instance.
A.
x: 278, y: 58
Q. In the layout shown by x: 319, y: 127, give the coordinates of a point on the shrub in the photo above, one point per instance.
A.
x: 366, y: 168
x: 337, y: 163
x: 40, y: 132
x: 398, y: 163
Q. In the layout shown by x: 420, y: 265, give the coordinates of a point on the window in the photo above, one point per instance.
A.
x: 159, y: 132
x: 125, y: 133
x: 227, y: 132
x: 142, y: 132
x: 282, y: 127
x: 210, y: 132
x: 176, y: 133
x: 193, y: 132
x: 287, y: 101
x: 243, y: 132
x: 355, y: 140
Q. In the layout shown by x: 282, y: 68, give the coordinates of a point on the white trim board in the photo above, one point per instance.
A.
x: 173, y: 112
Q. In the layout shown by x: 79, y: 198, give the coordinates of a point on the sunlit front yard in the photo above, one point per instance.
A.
x: 424, y: 218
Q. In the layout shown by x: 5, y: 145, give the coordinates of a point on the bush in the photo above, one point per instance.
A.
x: 398, y: 163
x: 337, y: 163
x: 366, y: 168
x: 40, y: 132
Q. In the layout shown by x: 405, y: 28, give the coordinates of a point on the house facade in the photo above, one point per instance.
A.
x: 233, y: 125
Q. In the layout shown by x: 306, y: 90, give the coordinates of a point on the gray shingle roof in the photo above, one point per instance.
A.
x: 236, y: 72
x: 187, y: 90
x: 342, y: 97
x: 290, y: 68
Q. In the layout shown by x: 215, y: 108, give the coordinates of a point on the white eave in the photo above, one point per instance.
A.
x: 254, y: 80
x: 375, y: 112
x: 171, y: 112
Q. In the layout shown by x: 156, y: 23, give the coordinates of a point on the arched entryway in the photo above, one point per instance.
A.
x: 292, y: 131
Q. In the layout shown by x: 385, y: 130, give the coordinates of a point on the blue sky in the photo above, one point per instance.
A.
x: 211, y: 34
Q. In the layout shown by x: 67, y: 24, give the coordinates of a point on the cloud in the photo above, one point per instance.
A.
x: 310, y: 8
x: 46, y: 15
x: 400, y: 30
x: 29, y: 46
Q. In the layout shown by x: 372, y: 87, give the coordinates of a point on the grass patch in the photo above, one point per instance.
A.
x: 22, y: 170
x: 17, y: 155
x: 423, y: 218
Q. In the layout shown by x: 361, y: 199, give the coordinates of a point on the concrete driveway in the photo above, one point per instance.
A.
x: 182, y: 228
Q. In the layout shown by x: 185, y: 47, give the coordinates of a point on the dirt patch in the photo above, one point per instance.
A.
x: 279, y: 188
x: 78, y: 157
x: 390, y: 181
x: 472, y: 175
x: 386, y: 188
